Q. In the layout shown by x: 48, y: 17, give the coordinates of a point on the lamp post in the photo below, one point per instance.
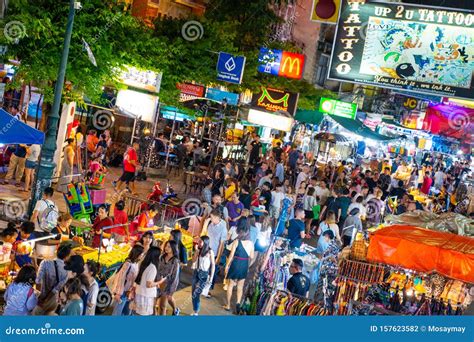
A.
x: 46, y: 166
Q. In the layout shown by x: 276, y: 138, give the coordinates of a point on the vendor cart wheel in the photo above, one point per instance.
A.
x: 104, y: 299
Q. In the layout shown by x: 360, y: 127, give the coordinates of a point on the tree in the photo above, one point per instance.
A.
x: 115, y: 37
x: 240, y: 27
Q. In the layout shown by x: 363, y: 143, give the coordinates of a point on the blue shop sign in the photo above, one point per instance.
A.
x: 230, y: 68
x: 220, y: 95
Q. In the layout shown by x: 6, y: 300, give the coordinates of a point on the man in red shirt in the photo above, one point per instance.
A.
x: 130, y: 164
x: 120, y: 234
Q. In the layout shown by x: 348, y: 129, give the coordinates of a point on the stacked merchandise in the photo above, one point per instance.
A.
x: 117, y: 255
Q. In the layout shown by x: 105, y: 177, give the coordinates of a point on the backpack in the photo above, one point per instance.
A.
x: 49, y: 217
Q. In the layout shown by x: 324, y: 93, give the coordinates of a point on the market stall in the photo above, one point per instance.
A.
x: 406, y: 270
x: 267, y: 290
x: 332, y: 147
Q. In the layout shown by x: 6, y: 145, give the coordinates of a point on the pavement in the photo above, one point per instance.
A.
x: 212, y: 306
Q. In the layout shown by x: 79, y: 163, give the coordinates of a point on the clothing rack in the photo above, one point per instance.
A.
x: 303, y: 304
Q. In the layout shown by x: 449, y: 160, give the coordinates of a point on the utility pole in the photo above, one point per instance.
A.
x: 46, y: 166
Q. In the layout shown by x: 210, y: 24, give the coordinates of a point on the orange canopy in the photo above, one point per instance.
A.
x: 424, y: 250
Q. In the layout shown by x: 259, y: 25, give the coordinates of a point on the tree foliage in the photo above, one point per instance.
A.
x: 116, y: 38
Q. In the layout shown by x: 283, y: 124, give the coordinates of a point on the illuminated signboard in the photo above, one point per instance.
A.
x: 272, y: 120
x: 338, y: 108
x: 325, y: 11
x: 190, y: 91
x: 421, y: 49
x: 141, y: 79
x: 274, y: 100
x: 220, y: 95
x: 230, y: 68
x: 281, y: 63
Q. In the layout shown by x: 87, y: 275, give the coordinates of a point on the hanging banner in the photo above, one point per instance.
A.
x: 418, y: 48
x: 281, y: 63
x: 190, y: 91
x: 325, y: 11
x: 274, y: 100
x: 220, y: 95
x: 230, y: 68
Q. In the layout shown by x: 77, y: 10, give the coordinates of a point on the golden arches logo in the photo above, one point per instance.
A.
x: 292, y: 62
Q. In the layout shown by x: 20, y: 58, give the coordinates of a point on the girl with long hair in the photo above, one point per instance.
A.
x: 238, y: 263
x: 146, y: 283
x: 124, y: 281
x: 204, y: 267
x: 169, y: 270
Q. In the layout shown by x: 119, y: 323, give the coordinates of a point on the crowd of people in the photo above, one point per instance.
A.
x: 281, y: 193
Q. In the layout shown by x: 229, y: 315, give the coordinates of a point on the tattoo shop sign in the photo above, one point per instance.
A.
x: 421, y: 49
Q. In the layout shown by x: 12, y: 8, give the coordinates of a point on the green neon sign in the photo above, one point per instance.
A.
x: 338, y: 108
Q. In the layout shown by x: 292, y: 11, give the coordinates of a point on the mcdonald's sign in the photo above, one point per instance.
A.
x: 291, y: 65
x: 281, y: 63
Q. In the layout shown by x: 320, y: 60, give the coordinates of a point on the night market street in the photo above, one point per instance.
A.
x: 303, y: 158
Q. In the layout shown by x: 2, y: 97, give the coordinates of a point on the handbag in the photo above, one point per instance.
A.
x: 131, y: 299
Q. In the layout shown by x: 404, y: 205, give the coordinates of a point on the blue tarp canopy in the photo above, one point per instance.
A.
x: 13, y: 131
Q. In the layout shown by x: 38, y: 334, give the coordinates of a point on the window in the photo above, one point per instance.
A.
x: 321, y: 70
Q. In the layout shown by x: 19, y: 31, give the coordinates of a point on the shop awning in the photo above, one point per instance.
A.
x: 313, y: 117
x: 357, y: 127
x: 424, y: 250
x: 14, y: 131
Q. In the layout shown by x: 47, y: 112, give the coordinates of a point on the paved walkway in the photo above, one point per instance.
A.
x: 211, y: 306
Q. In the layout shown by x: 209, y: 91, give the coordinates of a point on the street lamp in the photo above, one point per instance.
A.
x: 47, y: 165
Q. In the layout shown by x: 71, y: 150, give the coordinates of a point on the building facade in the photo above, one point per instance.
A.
x: 150, y: 10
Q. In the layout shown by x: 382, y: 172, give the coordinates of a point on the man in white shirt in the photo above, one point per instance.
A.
x: 275, y: 206
x: 439, y: 178
x: 322, y: 192
x: 217, y: 233
x: 302, y: 176
x: 41, y: 206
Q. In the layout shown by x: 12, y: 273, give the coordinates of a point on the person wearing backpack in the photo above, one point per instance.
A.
x: 46, y: 213
x: 52, y: 276
x: 120, y: 284
x: 20, y: 296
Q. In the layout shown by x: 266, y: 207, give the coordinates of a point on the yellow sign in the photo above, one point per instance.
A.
x: 326, y: 11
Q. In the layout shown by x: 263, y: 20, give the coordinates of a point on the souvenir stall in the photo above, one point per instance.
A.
x: 406, y: 270
x: 267, y: 294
